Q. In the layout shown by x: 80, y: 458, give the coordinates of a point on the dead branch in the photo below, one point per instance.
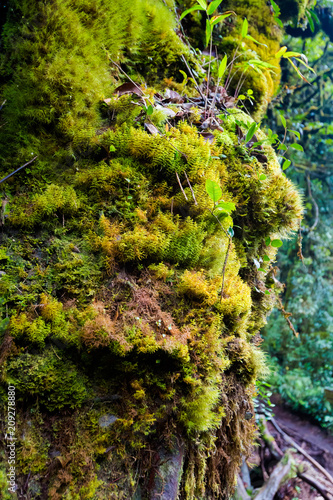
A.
x: 15, y: 171
x: 268, y: 490
x: 181, y: 187
x: 303, y: 452
x: 287, y: 315
x: 315, y: 484
x: 269, y: 440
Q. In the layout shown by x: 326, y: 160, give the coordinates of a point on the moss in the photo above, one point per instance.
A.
x: 112, y: 292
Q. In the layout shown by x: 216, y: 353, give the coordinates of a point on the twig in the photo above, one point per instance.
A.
x: 286, y: 315
x: 299, y: 242
x: 130, y: 79
x: 303, y: 452
x: 23, y: 166
x: 224, y: 267
x: 181, y: 187
x: 192, y: 75
x: 314, y: 225
x: 2, y: 105
x: 188, y: 182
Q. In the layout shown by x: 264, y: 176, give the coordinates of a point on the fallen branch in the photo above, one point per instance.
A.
x: 269, y: 440
x: 23, y: 166
x: 315, y: 484
x: 269, y: 489
x: 303, y: 452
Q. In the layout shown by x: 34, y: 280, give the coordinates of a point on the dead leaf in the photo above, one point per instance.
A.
x: 128, y: 88
x: 152, y: 129
x: 208, y: 136
x: 172, y: 96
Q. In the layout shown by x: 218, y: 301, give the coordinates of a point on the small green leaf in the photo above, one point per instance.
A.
x: 308, y: 206
x: 129, y: 197
x: 266, y: 258
x: 222, y: 67
x: 184, y: 76
x: 213, y: 6
x: 112, y: 149
x: 188, y: 11
x: 203, y: 4
x: 276, y: 243
x: 149, y: 110
x: 278, y: 22
x: 283, y: 147
x: 261, y: 64
x: 262, y: 177
x: 261, y: 269
x: 250, y: 92
x: 286, y: 164
x: 214, y: 191
x: 311, y: 23
x: 242, y: 97
x: 298, y: 135
x: 267, y: 241
x: 208, y: 32
x: 297, y: 146
x: 218, y: 19
x: 283, y: 121
x: 227, y: 206
x: 281, y: 52
x: 249, y: 37
x: 291, y: 54
x: 276, y: 8
x: 267, y: 292
x: 250, y: 132
x: 245, y: 28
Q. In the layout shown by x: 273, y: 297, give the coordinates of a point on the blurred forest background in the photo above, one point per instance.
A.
x: 302, y: 366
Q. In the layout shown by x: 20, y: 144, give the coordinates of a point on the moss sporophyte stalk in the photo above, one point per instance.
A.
x: 130, y: 290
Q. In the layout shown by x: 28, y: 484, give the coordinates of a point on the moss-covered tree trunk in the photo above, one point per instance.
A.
x: 130, y: 308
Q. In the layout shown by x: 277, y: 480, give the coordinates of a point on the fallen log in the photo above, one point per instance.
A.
x: 303, y: 452
x: 281, y: 471
x: 315, y: 484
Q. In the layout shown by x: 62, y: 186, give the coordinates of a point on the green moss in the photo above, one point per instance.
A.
x: 112, y: 293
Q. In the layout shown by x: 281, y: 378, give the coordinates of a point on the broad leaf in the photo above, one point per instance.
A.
x: 214, y: 191
x: 188, y: 11
x: 266, y: 258
x: 276, y: 243
x: 213, y: 6
x: 262, y: 177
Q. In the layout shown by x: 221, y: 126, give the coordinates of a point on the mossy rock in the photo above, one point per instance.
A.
x: 122, y: 294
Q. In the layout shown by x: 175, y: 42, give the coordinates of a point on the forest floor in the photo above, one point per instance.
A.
x: 312, y: 439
